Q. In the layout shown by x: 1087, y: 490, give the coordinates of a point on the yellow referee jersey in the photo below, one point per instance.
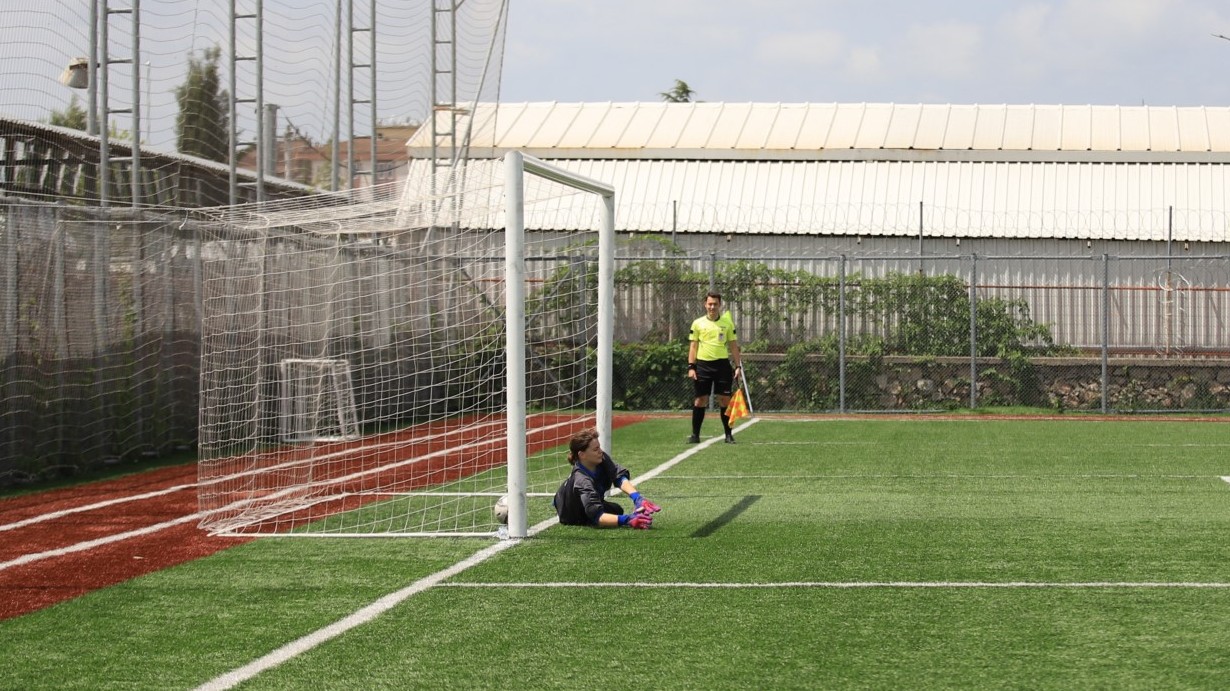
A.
x: 713, y: 337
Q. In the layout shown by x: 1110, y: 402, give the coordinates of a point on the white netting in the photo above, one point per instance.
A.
x: 353, y: 359
x: 316, y: 396
x: 320, y: 96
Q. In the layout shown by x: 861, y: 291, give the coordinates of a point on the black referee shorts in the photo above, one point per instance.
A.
x: 715, y: 376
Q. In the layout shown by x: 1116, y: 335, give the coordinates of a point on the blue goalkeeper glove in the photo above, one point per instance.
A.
x: 640, y: 521
x: 643, y: 505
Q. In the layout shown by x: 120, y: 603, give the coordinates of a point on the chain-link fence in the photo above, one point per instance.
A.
x: 100, y: 333
x: 1091, y: 333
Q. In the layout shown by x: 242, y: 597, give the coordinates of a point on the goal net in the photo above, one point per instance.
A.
x: 396, y: 367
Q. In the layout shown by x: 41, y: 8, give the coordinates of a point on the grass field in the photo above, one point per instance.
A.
x: 866, y: 553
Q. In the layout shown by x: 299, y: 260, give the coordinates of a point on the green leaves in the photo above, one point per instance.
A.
x: 202, y: 126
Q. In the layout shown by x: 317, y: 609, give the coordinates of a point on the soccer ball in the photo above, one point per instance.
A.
x: 501, y: 510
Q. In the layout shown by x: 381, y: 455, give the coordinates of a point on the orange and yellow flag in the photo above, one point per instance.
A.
x: 737, y: 408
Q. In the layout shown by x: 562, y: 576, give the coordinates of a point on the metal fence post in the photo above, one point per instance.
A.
x: 973, y: 332
x: 1105, y: 332
x: 841, y: 334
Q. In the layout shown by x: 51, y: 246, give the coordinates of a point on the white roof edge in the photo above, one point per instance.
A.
x: 727, y: 131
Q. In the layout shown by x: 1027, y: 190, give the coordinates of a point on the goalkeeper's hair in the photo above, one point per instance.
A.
x: 580, y: 441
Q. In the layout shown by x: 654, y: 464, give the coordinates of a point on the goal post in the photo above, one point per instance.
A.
x: 396, y: 366
x: 516, y: 166
x: 316, y: 399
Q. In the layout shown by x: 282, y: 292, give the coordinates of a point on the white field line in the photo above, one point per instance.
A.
x: 117, y: 537
x: 99, y: 542
x: 832, y: 442
x: 939, y: 476
x: 52, y: 515
x: 818, y: 443
x: 270, y: 511
x: 689, y: 453
x: 360, y: 617
x: 290, y: 650
x: 1226, y: 478
x: 85, y: 508
x: 845, y: 585
x: 277, y: 657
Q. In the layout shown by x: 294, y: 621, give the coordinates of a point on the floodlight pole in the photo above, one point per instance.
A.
x: 91, y: 93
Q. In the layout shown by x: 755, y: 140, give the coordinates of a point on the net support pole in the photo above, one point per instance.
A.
x: 514, y: 304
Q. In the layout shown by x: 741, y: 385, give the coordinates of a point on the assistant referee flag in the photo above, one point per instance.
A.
x: 737, y: 408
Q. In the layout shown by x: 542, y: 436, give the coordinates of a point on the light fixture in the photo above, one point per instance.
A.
x: 77, y: 74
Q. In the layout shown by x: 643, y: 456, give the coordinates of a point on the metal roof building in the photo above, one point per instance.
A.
x: 56, y: 164
x: 887, y: 171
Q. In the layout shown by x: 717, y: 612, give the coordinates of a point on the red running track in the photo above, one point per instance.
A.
x: 78, y: 567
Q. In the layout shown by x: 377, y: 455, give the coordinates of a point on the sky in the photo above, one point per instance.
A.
x: 1072, y: 52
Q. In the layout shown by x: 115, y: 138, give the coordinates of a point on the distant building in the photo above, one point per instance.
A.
x: 59, y: 164
x: 301, y: 160
x: 896, y: 178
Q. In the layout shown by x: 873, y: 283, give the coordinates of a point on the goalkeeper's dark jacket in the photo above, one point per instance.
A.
x: 581, y: 499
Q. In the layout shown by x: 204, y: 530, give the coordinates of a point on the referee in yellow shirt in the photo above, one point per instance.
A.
x: 713, y: 363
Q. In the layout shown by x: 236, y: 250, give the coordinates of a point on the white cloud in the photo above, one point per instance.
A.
x: 863, y: 62
x: 821, y: 48
x: 959, y: 51
x: 1119, y: 19
x: 944, y: 49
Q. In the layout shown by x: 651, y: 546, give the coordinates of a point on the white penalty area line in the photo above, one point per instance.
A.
x: 691, y: 452
x: 851, y: 585
x: 365, y: 615
x: 360, y: 617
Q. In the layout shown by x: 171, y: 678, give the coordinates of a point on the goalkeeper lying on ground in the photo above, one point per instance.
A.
x: 581, y: 500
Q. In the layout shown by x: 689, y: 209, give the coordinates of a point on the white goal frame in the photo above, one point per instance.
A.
x: 333, y: 396
x: 516, y: 166
x: 391, y: 369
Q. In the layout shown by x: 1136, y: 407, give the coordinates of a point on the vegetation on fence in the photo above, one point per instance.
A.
x: 799, y: 314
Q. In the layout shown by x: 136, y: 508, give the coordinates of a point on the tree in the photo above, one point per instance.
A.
x: 74, y: 116
x: 681, y: 93
x: 202, y: 126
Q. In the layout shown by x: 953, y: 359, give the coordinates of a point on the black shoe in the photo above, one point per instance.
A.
x: 730, y: 438
x: 694, y: 439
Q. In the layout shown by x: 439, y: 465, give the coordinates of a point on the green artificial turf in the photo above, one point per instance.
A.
x: 865, y: 553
